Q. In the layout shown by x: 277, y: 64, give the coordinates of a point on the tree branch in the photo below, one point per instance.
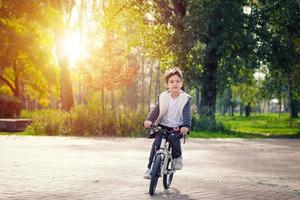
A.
x: 7, y: 83
x: 124, y: 5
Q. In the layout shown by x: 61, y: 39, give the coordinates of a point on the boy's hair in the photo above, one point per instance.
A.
x: 171, y: 72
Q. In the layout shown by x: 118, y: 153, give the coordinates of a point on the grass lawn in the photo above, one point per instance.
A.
x: 256, y: 126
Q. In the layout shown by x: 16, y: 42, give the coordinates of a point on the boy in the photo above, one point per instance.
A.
x: 172, y: 112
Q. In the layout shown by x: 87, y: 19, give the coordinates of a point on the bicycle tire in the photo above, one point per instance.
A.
x: 155, y: 175
x: 167, y: 178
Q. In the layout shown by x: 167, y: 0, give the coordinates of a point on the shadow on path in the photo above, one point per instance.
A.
x: 171, y: 193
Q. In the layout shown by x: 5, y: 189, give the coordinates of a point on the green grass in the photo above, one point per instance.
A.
x: 204, y: 134
x: 255, y: 126
x: 234, y: 134
x: 266, y: 124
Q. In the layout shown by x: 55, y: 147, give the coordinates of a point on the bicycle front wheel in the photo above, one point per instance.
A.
x: 168, y: 175
x: 155, y: 175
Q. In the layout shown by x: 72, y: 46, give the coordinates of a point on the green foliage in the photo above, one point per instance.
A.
x: 278, y: 31
x: 47, y: 122
x: 194, y: 66
x: 84, y: 120
x: 222, y: 47
x: 207, y: 123
x: 27, y: 66
x: 246, y: 93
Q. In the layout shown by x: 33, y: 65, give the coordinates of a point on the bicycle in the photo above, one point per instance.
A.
x: 162, y: 163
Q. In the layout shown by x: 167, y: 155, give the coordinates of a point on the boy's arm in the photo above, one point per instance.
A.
x: 186, y: 114
x: 153, y: 114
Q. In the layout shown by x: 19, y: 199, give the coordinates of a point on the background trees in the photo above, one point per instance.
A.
x: 26, y: 60
x: 278, y: 31
x: 110, y: 55
x: 224, y: 28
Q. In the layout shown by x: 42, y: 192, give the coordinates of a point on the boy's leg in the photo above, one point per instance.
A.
x: 155, y: 146
x: 174, y: 140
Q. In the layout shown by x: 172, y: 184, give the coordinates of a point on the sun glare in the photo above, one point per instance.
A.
x: 73, y: 47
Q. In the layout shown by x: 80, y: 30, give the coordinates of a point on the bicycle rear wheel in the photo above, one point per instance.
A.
x: 167, y: 178
x: 155, y: 175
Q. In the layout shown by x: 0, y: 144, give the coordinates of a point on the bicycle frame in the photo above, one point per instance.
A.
x: 164, y: 152
x: 165, y: 146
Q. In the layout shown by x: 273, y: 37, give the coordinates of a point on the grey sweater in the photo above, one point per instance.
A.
x: 186, y: 112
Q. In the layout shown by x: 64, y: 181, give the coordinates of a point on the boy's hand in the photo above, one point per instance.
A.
x: 184, y: 130
x: 147, y: 124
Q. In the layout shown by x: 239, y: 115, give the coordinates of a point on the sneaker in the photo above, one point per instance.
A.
x: 178, y: 163
x: 147, y: 174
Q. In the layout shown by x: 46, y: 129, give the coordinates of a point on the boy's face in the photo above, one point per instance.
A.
x: 174, y: 84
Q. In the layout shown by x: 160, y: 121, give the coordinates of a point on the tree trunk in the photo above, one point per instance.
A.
x: 65, y: 83
x: 132, y: 96
x: 280, y: 102
x: 102, y: 100
x: 150, y: 88
x: 247, y: 110
x: 143, y: 84
x: 113, y: 104
x: 67, y: 100
x: 294, y: 104
x: 241, y: 109
x: 179, y: 8
x: 17, y: 88
x: 223, y: 110
x: 198, y: 99
x: 157, y: 83
x: 209, y: 82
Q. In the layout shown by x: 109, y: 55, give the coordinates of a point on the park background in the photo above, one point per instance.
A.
x: 95, y: 67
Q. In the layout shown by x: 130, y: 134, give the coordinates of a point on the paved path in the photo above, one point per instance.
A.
x: 112, y: 168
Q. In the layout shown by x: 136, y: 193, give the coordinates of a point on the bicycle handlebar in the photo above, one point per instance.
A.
x: 154, y: 129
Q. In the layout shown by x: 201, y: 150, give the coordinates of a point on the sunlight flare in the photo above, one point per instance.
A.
x: 73, y: 46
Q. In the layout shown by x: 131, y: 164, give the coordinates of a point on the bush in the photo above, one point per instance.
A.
x: 85, y: 120
x: 205, y: 123
x: 10, y: 107
x: 47, y: 122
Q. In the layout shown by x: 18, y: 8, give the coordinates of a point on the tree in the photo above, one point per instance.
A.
x: 25, y: 51
x: 224, y: 29
x: 278, y: 30
x: 64, y: 11
x: 274, y: 86
x: 131, y: 37
x: 247, y: 94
